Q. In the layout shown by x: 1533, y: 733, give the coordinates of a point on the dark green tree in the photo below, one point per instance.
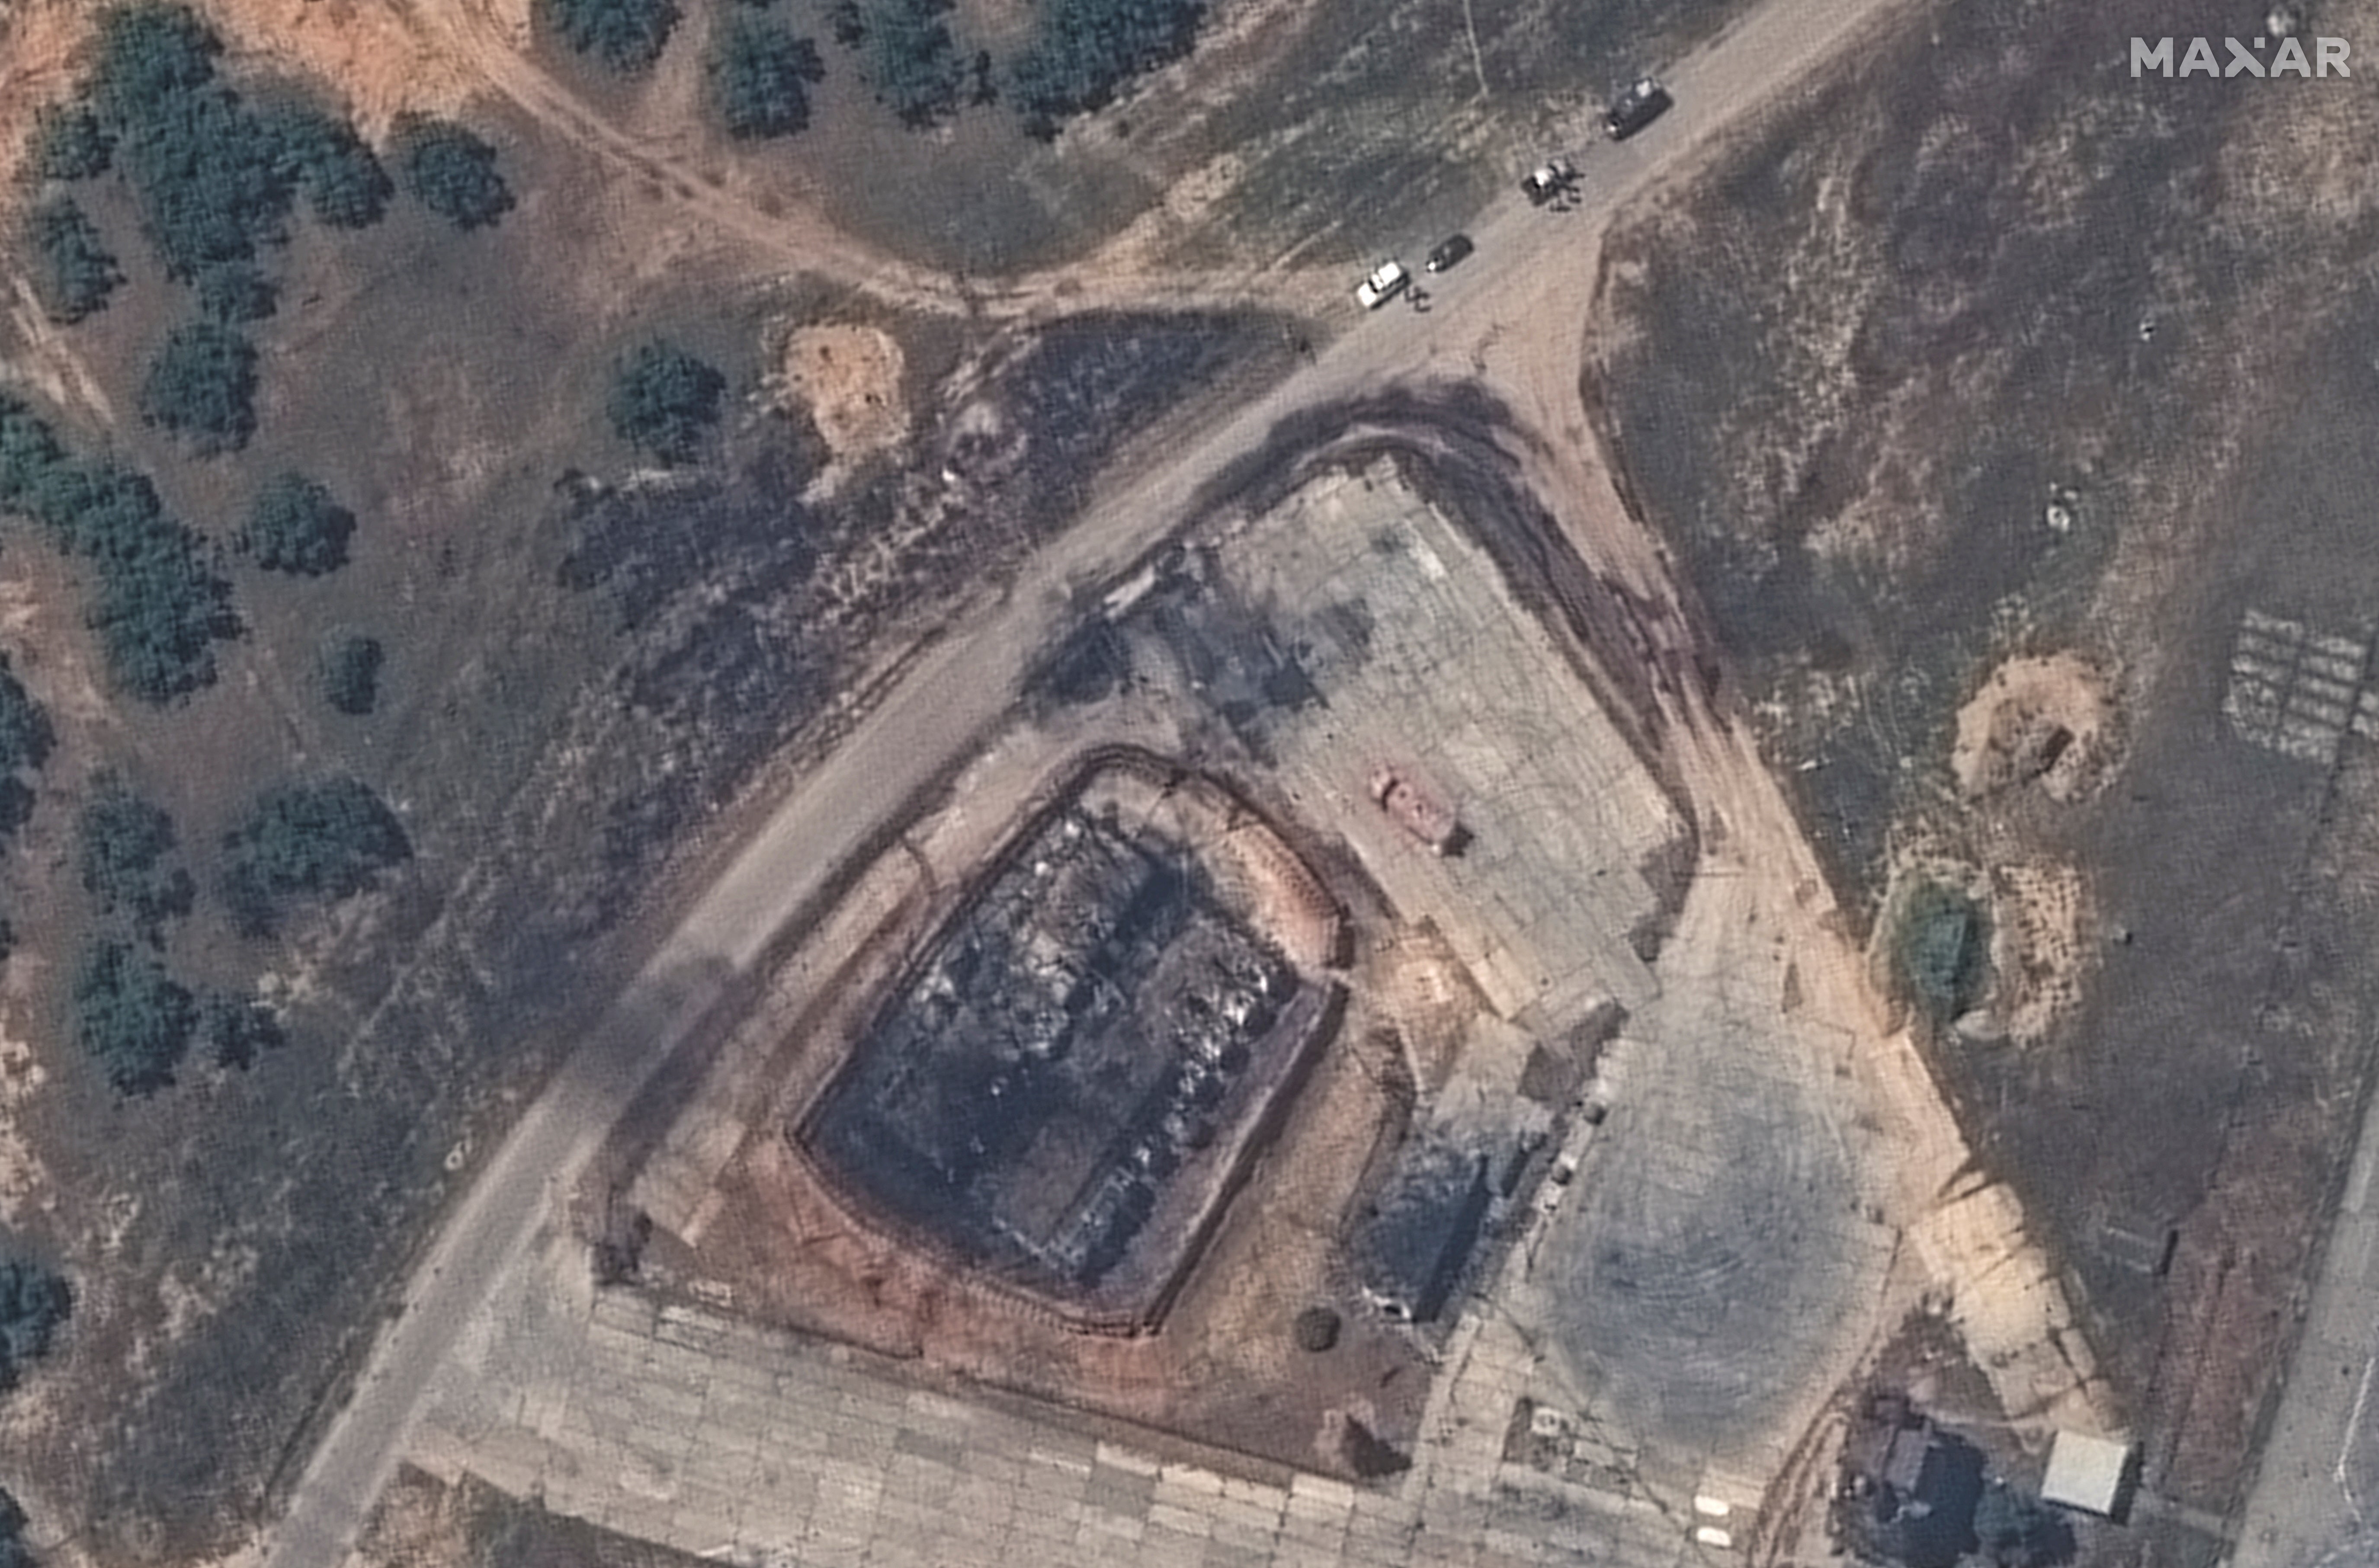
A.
x: 236, y: 293
x: 452, y: 173
x: 324, y: 842
x: 665, y: 401
x: 25, y: 738
x: 343, y: 184
x: 627, y: 36
x: 127, y: 845
x: 1085, y: 51
x: 758, y: 74
x: 351, y: 675
x: 913, y: 62
x: 159, y: 605
x: 70, y: 144
x: 295, y: 526
x: 34, y: 1304
x: 237, y: 1030
x: 15, y: 1552
x: 201, y: 387
x: 131, y: 1017
x: 75, y: 272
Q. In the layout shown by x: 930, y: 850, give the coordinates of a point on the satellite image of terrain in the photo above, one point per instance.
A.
x: 1188, y: 783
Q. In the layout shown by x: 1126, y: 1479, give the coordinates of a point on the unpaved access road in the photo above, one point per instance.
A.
x: 1510, y: 315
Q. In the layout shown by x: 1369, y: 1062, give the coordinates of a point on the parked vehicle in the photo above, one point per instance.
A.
x: 1635, y: 108
x: 1450, y: 254
x: 1387, y: 281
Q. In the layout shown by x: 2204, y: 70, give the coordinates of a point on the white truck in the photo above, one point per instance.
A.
x: 1387, y: 281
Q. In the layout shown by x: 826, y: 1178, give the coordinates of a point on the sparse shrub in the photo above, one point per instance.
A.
x: 1086, y: 50
x: 1317, y: 1330
x: 758, y: 74
x: 76, y: 272
x: 626, y: 35
x: 295, y: 525
x: 665, y: 401
x: 131, y: 1017
x: 126, y: 843
x: 237, y: 1029
x: 351, y: 675
x: 70, y: 144
x: 846, y: 23
x: 159, y: 606
x: 452, y: 173
x: 323, y: 841
x: 34, y: 1304
x: 201, y: 387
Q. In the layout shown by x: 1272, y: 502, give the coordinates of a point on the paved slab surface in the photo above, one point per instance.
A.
x: 679, y: 1425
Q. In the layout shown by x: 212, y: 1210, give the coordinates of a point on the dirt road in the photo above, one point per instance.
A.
x: 1509, y: 314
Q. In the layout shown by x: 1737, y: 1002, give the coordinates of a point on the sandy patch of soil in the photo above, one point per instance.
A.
x: 849, y: 377
x: 2045, y: 720
x: 375, y: 57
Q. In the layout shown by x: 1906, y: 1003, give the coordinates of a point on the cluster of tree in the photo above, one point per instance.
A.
x: 132, y: 1018
x: 664, y: 401
x: 215, y: 178
x: 15, y: 1552
x: 295, y: 526
x: 1085, y: 50
x: 452, y: 172
x: 26, y: 739
x: 74, y: 270
x: 127, y: 862
x: 351, y: 675
x: 626, y: 35
x: 911, y: 60
x: 324, y: 842
x: 34, y: 1304
x: 201, y: 387
x: 758, y: 74
x: 160, y: 605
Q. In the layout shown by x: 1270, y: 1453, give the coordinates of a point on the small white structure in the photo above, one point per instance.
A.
x: 2087, y: 1473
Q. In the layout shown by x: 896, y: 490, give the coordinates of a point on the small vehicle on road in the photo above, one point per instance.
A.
x: 1449, y: 254
x: 1635, y: 108
x: 1547, y: 180
x: 1387, y: 281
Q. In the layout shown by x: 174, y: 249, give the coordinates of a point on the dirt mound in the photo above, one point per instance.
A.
x: 849, y: 377
x: 2044, y: 720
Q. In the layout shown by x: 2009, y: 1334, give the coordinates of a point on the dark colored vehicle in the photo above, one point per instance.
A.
x: 1450, y: 254
x: 1635, y: 108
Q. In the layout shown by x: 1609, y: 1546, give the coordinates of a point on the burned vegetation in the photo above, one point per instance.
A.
x: 1061, y: 1087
